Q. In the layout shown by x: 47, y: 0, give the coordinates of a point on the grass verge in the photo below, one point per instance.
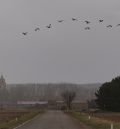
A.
x: 16, y: 122
x: 95, y: 123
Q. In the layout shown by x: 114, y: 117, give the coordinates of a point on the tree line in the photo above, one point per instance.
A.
x: 108, y: 95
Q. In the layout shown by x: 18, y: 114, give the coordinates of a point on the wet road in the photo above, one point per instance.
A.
x: 53, y: 120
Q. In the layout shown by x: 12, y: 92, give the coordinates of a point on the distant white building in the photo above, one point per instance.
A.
x: 34, y: 104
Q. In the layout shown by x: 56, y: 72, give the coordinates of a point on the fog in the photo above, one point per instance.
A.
x: 64, y: 53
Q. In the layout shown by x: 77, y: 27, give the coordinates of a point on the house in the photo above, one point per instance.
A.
x: 79, y: 106
x: 32, y: 104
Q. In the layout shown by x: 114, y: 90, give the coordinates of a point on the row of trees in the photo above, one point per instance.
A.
x: 108, y: 95
x: 5, y: 96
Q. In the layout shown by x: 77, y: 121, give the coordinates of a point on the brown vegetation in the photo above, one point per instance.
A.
x: 108, y: 116
x: 6, y: 116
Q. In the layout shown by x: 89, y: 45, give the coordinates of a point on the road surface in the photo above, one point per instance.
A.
x: 54, y: 120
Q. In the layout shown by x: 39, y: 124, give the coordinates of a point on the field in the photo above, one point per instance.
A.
x: 108, y: 116
x: 98, y: 120
x: 10, y: 119
x: 6, y: 116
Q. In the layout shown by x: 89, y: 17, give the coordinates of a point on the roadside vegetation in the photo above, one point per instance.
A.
x: 108, y: 95
x: 11, y: 119
x: 97, y: 122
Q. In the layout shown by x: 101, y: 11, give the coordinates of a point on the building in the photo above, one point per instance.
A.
x: 2, y: 82
x: 32, y: 104
x: 78, y: 106
x: 3, y: 93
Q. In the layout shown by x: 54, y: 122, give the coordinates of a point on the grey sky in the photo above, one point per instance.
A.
x: 65, y: 53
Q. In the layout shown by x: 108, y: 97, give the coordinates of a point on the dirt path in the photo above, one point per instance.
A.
x: 54, y: 120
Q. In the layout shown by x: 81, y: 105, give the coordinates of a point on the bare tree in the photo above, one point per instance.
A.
x: 68, y: 97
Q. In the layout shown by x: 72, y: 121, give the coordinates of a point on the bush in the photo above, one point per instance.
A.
x: 108, y: 95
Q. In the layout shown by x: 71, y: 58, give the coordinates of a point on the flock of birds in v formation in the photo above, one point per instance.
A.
x: 73, y: 19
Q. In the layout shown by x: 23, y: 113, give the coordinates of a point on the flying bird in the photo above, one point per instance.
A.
x: 60, y: 20
x: 74, y: 19
x: 87, y: 28
x: 49, y: 26
x: 37, y: 29
x: 118, y: 24
x: 100, y: 21
x: 25, y: 33
x: 109, y: 26
x: 87, y: 22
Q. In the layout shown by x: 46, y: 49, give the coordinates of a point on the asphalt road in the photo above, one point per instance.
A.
x: 54, y: 120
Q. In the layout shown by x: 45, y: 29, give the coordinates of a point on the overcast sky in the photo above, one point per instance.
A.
x: 64, y: 53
